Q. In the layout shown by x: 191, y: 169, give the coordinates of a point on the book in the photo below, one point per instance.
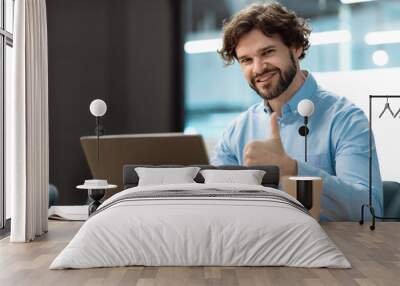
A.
x: 72, y: 213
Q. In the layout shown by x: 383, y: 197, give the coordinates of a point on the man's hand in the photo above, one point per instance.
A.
x: 270, y: 152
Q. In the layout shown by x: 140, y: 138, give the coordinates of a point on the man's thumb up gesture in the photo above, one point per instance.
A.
x: 270, y: 151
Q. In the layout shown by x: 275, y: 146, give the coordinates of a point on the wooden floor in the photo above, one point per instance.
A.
x: 375, y: 257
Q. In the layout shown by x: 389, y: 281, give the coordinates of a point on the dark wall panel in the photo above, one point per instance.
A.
x: 119, y: 51
x: 142, y: 67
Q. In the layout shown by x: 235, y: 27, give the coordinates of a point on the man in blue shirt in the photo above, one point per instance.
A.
x: 268, y: 41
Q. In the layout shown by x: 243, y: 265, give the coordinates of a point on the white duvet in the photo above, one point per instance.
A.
x: 200, y: 231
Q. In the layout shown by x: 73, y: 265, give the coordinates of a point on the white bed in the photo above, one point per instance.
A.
x: 206, y: 230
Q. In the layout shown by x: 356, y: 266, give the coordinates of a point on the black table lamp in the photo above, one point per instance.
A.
x: 98, y: 108
x: 305, y: 109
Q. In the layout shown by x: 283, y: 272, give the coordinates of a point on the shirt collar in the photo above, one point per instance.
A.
x: 267, y: 108
x: 306, y: 91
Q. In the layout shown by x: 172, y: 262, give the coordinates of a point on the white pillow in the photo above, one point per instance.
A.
x: 248, y: 177
x: 163, y: 176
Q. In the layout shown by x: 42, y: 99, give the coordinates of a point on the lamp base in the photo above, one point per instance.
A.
x: 96, y: 195
x: 304, y: 191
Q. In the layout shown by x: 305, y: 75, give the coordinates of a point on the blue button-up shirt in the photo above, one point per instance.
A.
x: 338, y: 148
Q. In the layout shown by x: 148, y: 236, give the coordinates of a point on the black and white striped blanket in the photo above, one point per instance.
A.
x: 206, y: 194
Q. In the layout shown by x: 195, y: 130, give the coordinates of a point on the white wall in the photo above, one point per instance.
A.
x: 357, y: 86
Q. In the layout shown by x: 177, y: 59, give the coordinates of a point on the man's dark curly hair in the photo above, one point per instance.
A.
x: 271, y: 19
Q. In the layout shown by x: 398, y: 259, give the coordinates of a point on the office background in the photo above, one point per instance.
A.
x: 354, y: 52
x: 214, y: 95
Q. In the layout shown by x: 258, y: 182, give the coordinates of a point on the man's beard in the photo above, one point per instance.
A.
x: 285, y: 79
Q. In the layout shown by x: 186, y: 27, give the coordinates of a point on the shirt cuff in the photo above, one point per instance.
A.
x: 304, y: 169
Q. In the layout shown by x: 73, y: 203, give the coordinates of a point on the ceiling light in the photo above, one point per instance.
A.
x: 385, y: 37
x: 354, y: 1
x: 330, y: 37
x: 380, y: 57
x: 203, y: 46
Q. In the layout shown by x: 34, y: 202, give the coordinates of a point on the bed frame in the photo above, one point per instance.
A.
x: 270, y: 179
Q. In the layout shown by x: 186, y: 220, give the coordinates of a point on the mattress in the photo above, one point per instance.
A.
x: 201, y: 225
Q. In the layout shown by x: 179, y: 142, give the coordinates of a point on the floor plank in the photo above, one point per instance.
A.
x: 374, y: 255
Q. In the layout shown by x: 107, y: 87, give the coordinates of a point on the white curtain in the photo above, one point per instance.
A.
x: 27, y: 145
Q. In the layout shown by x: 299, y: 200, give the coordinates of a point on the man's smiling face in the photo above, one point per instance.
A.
x: 268, y: 65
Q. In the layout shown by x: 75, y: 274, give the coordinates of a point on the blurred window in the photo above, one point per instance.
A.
x: 6, y: 60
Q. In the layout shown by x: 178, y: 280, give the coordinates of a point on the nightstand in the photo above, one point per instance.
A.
x: 96, y: 191
x: 306, y: 190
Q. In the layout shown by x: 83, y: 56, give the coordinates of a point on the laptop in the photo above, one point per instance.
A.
x: 115, y: 151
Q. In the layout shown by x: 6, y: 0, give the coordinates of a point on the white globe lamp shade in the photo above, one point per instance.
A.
x: 305, y: 107
x: 98, y: 107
